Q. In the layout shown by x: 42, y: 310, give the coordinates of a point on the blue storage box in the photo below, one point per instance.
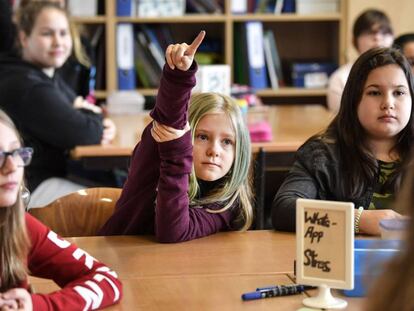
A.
x: 311, y: 75
x: 369, y: 259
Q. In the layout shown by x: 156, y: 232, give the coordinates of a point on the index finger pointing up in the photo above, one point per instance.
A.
x: 192, y: 48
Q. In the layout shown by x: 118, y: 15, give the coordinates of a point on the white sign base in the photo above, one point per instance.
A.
x: 325, y: 300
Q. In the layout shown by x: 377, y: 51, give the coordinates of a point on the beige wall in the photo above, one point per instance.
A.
x: 401, y: 13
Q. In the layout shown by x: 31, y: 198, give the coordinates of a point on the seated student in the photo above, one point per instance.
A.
x: 371, y: 29
x: 361, y: 155
x: 29, y: 247
x: 42, y: 106
x: 405, y: 43
x: 394, y: 289
x: 185, y: 184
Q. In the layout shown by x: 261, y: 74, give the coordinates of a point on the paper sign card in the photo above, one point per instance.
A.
x: 324, y: 244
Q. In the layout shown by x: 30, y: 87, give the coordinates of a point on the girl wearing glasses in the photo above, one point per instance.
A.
x: 26, y: 245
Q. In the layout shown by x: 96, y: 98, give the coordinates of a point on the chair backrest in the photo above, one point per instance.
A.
x: 80, y: 213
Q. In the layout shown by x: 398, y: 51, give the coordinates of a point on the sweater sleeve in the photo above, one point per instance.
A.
x: 308, y: 178
x: 86, y: 283
x: 46, y: 113
x: 173, y: 96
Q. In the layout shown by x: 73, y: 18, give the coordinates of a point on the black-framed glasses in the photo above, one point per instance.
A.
x: 21, y: 156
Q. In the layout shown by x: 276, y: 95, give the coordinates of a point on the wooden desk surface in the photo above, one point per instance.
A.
x: 227, y: 253
x: 291, y: 126
x: 195, y: 293
x: 204, y: 274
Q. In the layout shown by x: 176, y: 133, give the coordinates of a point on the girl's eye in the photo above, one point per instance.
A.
x: 399, y: 93
x: 373, y: 93
x: 228, y: 141
x: 202, y: 137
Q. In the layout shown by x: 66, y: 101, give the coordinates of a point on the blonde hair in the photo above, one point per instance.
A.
x: 14, y: 241
x: 237, y: 185
x: 30, y: 10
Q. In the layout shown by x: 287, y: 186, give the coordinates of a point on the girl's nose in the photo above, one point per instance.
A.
x: 387, y: 102
x: 9, y: 165
x: 213, y: 150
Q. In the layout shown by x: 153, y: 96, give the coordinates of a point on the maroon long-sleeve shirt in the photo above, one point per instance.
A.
x: 155, y: 196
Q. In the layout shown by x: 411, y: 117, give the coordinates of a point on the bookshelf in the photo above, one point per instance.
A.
x: 304, y: 37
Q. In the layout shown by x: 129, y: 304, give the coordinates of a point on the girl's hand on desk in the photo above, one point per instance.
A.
x: 81, y: 103
x: 162, y: 133
x: 181, y: 55
x: 369, y: 221
x: 109, y: 131
x: 16, y: 299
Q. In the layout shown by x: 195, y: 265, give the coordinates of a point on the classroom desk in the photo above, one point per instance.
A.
x: 291, y: 126
x: 209, y: 273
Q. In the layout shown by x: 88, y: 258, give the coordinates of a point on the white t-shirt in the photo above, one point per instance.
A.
x: 336, y: 86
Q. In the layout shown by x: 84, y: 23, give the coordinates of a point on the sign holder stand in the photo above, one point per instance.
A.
x: 325, y: 300
x: 325, y: 249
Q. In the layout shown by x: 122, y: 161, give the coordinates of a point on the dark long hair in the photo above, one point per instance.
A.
x: 358, y: 164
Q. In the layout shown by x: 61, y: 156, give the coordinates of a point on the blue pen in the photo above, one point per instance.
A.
x: 276, y: 291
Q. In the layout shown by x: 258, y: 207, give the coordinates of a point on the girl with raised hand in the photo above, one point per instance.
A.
x: 361, y: 156
x: 42, y: 105
x: 28, y: 247
x: 189, y: 173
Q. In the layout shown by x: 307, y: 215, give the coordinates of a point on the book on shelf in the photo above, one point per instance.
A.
x: 156, y: 8
x: 204, y: 6
x: 250, y: 66
x: 273, y: 57
x: 238, y: 6
x: 317, y: 6
x: 146, y: 66
x: 289, y: 6
x: 125, y: 7
x: 150, y: 8
x: 265, y: 6
x: 271, y: 69
x: 125, y: 56
x: 98, y: 43
x: 82, y: 7
x: 153, y: 45
x: 278, y: 6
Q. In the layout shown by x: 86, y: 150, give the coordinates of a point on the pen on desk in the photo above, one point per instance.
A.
x: 281, y: 290
x: 305, y: 287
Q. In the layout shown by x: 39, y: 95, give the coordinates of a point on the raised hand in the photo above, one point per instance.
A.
x: 181, y: 56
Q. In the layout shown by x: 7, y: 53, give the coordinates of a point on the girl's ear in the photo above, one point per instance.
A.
x: 23, y: 37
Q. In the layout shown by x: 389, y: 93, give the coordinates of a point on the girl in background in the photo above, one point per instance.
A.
x: 27, y: 246
x: 46, y: 111
x: 371, y: 29
x: 362, y: 154
x: 185, y: 184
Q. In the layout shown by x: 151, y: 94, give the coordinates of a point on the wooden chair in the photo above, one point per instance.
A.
x: 81, y: 213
